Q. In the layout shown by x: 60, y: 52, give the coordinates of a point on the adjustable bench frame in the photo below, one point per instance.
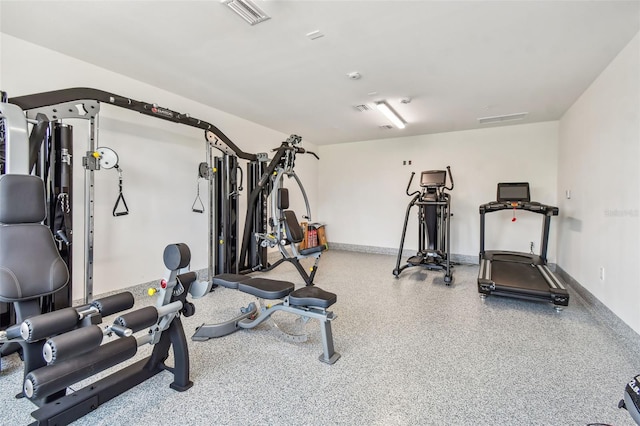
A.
x: 307, y: 302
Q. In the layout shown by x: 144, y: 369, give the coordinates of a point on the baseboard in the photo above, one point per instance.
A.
x: 139, y: 290
x: 457, y: 258
x: 604, y: 315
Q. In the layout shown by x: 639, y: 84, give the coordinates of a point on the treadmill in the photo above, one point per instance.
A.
x: 516, y: 274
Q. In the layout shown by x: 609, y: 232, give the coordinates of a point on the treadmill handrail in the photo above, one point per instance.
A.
x: 55, y: 97
x: 530, y: 206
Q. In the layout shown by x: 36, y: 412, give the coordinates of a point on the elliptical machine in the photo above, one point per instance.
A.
x: 434, y: 213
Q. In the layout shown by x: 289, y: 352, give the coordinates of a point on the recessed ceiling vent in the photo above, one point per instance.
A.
x: 502, y: 118
x: 247, y: 10
x: 386, y: 127
x: 362, y: 108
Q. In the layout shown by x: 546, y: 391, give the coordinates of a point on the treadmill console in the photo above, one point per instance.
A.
x: 516, y: 195
x: 433, y: 178
x: 514, y: 192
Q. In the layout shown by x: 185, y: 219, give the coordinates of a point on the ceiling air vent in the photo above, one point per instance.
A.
x: 247, y: 10
x: 362, y: 108
x: 502, y: 118
x: 386, y: 127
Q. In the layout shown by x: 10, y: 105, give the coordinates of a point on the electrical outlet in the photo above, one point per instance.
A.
x: 602, y: 273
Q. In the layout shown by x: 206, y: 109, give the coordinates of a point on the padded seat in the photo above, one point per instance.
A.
x: 312, y: 296
x: 265, y: 288
x: 312, y: 250
x: 230, y: 280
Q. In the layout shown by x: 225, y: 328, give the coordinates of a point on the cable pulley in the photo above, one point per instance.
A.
x: 108, y: 159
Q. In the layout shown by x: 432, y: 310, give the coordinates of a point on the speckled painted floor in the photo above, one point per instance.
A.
x: 414, y: 352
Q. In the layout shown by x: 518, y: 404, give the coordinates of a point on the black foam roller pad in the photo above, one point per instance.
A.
x: 187, y: 279
x: 176, y: 256
x: 49, y: 324
x: 139, y: 319
x: 50, y: 379
x: 112, y: 304
x: 74, y: 343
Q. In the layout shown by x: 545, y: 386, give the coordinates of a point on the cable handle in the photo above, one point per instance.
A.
x: 198, y: 200
x: 120, y: 199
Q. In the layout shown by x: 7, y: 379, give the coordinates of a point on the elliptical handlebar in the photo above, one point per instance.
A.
x: 450, y: 178
x: 409, y: 185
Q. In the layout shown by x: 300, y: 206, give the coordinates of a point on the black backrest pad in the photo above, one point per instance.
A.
x: 21, y: 199
x: 293, y: 228
x: 30, y: 265
x: 283, y: 198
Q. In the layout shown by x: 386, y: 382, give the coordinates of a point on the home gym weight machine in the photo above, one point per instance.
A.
x: 285, y: 231
x: 85, y: 103
x: 221, y: 172
x: 434, y: 215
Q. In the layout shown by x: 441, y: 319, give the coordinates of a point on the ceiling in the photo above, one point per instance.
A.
x: 457, y: 60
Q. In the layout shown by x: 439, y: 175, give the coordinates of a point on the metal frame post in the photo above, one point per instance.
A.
x: 90, y: 164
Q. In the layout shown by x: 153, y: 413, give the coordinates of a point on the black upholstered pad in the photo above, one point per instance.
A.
x: 312, y: 250
x: 176, y: 256
x: 266, y: 289
x: 22, y: 199
x: 312, y: 296
x: 30, y: 264
x: 292, y: 227
x: 230, y: 280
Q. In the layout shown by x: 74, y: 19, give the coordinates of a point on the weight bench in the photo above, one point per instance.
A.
x: 306, y: 302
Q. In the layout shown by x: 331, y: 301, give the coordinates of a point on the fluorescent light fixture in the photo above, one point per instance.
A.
x: 388, y: 112
x: 247, y: 10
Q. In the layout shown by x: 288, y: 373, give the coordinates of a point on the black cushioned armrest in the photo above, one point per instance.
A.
x: 266, y: 289
x: 312, y: 296
x: 230, y: 280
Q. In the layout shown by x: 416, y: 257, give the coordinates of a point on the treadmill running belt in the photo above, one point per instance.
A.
x: 519, y: 276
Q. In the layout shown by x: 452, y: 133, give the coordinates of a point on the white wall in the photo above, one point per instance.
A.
x: 599, y: 153
x: 159, y: 160
x: 362, y: 185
